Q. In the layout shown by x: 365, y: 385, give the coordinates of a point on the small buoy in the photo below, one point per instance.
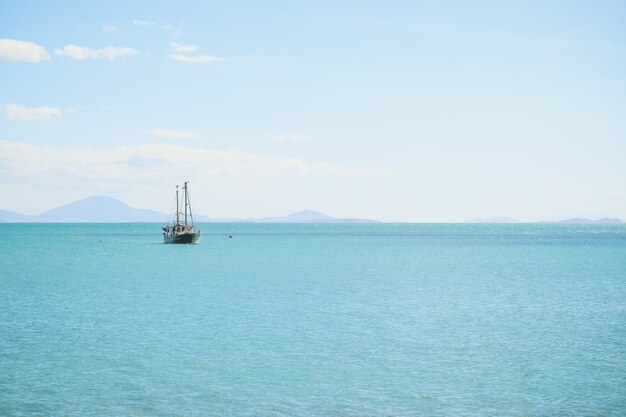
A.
x: 101, y: 241
x: 230, y: 236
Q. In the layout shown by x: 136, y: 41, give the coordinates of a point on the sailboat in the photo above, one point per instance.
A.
x: 181, y: 232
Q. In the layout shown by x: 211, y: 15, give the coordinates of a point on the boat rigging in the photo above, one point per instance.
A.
x: 181, y: 232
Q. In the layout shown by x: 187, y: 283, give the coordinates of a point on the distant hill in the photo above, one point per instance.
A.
x: 103, y: 209
x: 11, y: 217
x: 495, y: 220
x: 580, y: 220
x: 300, y: 216
x: 310, y: 216
x: 575, y: 220
x: 609, y: 220
x: 99, y: 210
x: 109, y: 210
x: 90, y: 210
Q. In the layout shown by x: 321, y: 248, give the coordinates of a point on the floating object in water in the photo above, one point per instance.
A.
x: 101, y: 241
x: 181, y: 231
x: 230, y: 236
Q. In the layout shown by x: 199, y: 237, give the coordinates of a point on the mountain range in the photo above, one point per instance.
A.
x: 580, y: 220
x: 109, y: 210
x: 575, y: 220
x: 500, y: 219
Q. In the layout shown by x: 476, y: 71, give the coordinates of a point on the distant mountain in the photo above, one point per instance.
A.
x: 495, y: 220
x: 310, y: 216
x: 99, y: 210
x: 11, y: 217
x: 108, y: 210
x: 298, y: 217
x: 575, y: 220
x: 609, y: 220
x: 580, y: 220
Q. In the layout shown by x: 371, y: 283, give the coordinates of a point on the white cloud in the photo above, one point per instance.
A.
x: 152, y: 162
x: 14, y: 111
x: 25, y: 51
x: 173, y: 134
x: 139, y: 22
x: 110, y: 53
x: 150, y: 23
x: 72, y: 109
x: 184, y: 50
x: 290, y: 137
x: 179, y: 47
x: 174, y: 31
x: 111, y: 28
x: 195, y: 58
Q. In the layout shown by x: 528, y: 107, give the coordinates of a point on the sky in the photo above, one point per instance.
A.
x: 417, y: 111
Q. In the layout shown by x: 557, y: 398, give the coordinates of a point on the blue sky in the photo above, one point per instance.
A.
x: 400, y: 111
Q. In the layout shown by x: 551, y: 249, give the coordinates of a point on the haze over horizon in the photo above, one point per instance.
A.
x: 103, y: 209
x: 398, y: 112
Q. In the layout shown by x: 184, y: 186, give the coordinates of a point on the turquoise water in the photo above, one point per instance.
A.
x: 313, y: 320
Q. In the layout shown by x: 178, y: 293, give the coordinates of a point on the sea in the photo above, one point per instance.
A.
x: 313, y: 320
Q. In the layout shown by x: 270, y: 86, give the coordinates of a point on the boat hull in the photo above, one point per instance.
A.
x: 182, y: 238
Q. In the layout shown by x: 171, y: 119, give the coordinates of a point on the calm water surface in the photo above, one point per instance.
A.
x: 313, y: 320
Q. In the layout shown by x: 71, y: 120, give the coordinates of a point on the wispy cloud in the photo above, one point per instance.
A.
x: 24, y: 51
x: 152, y: 162
x: 179, y: 47
x: 110, y: 53
x: 72, y: 109
x: 140, y: 22
x: 174, y: 134
x: 183, y: 51
x: 174, y: 31
x: 112, y: 28
x: 195, y: 58
x: 14, y: 111
x: 287, y: 137
x: 150, y: 23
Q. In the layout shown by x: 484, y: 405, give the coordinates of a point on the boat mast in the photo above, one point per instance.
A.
x: 177, y: 210
x: 186, y: 202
